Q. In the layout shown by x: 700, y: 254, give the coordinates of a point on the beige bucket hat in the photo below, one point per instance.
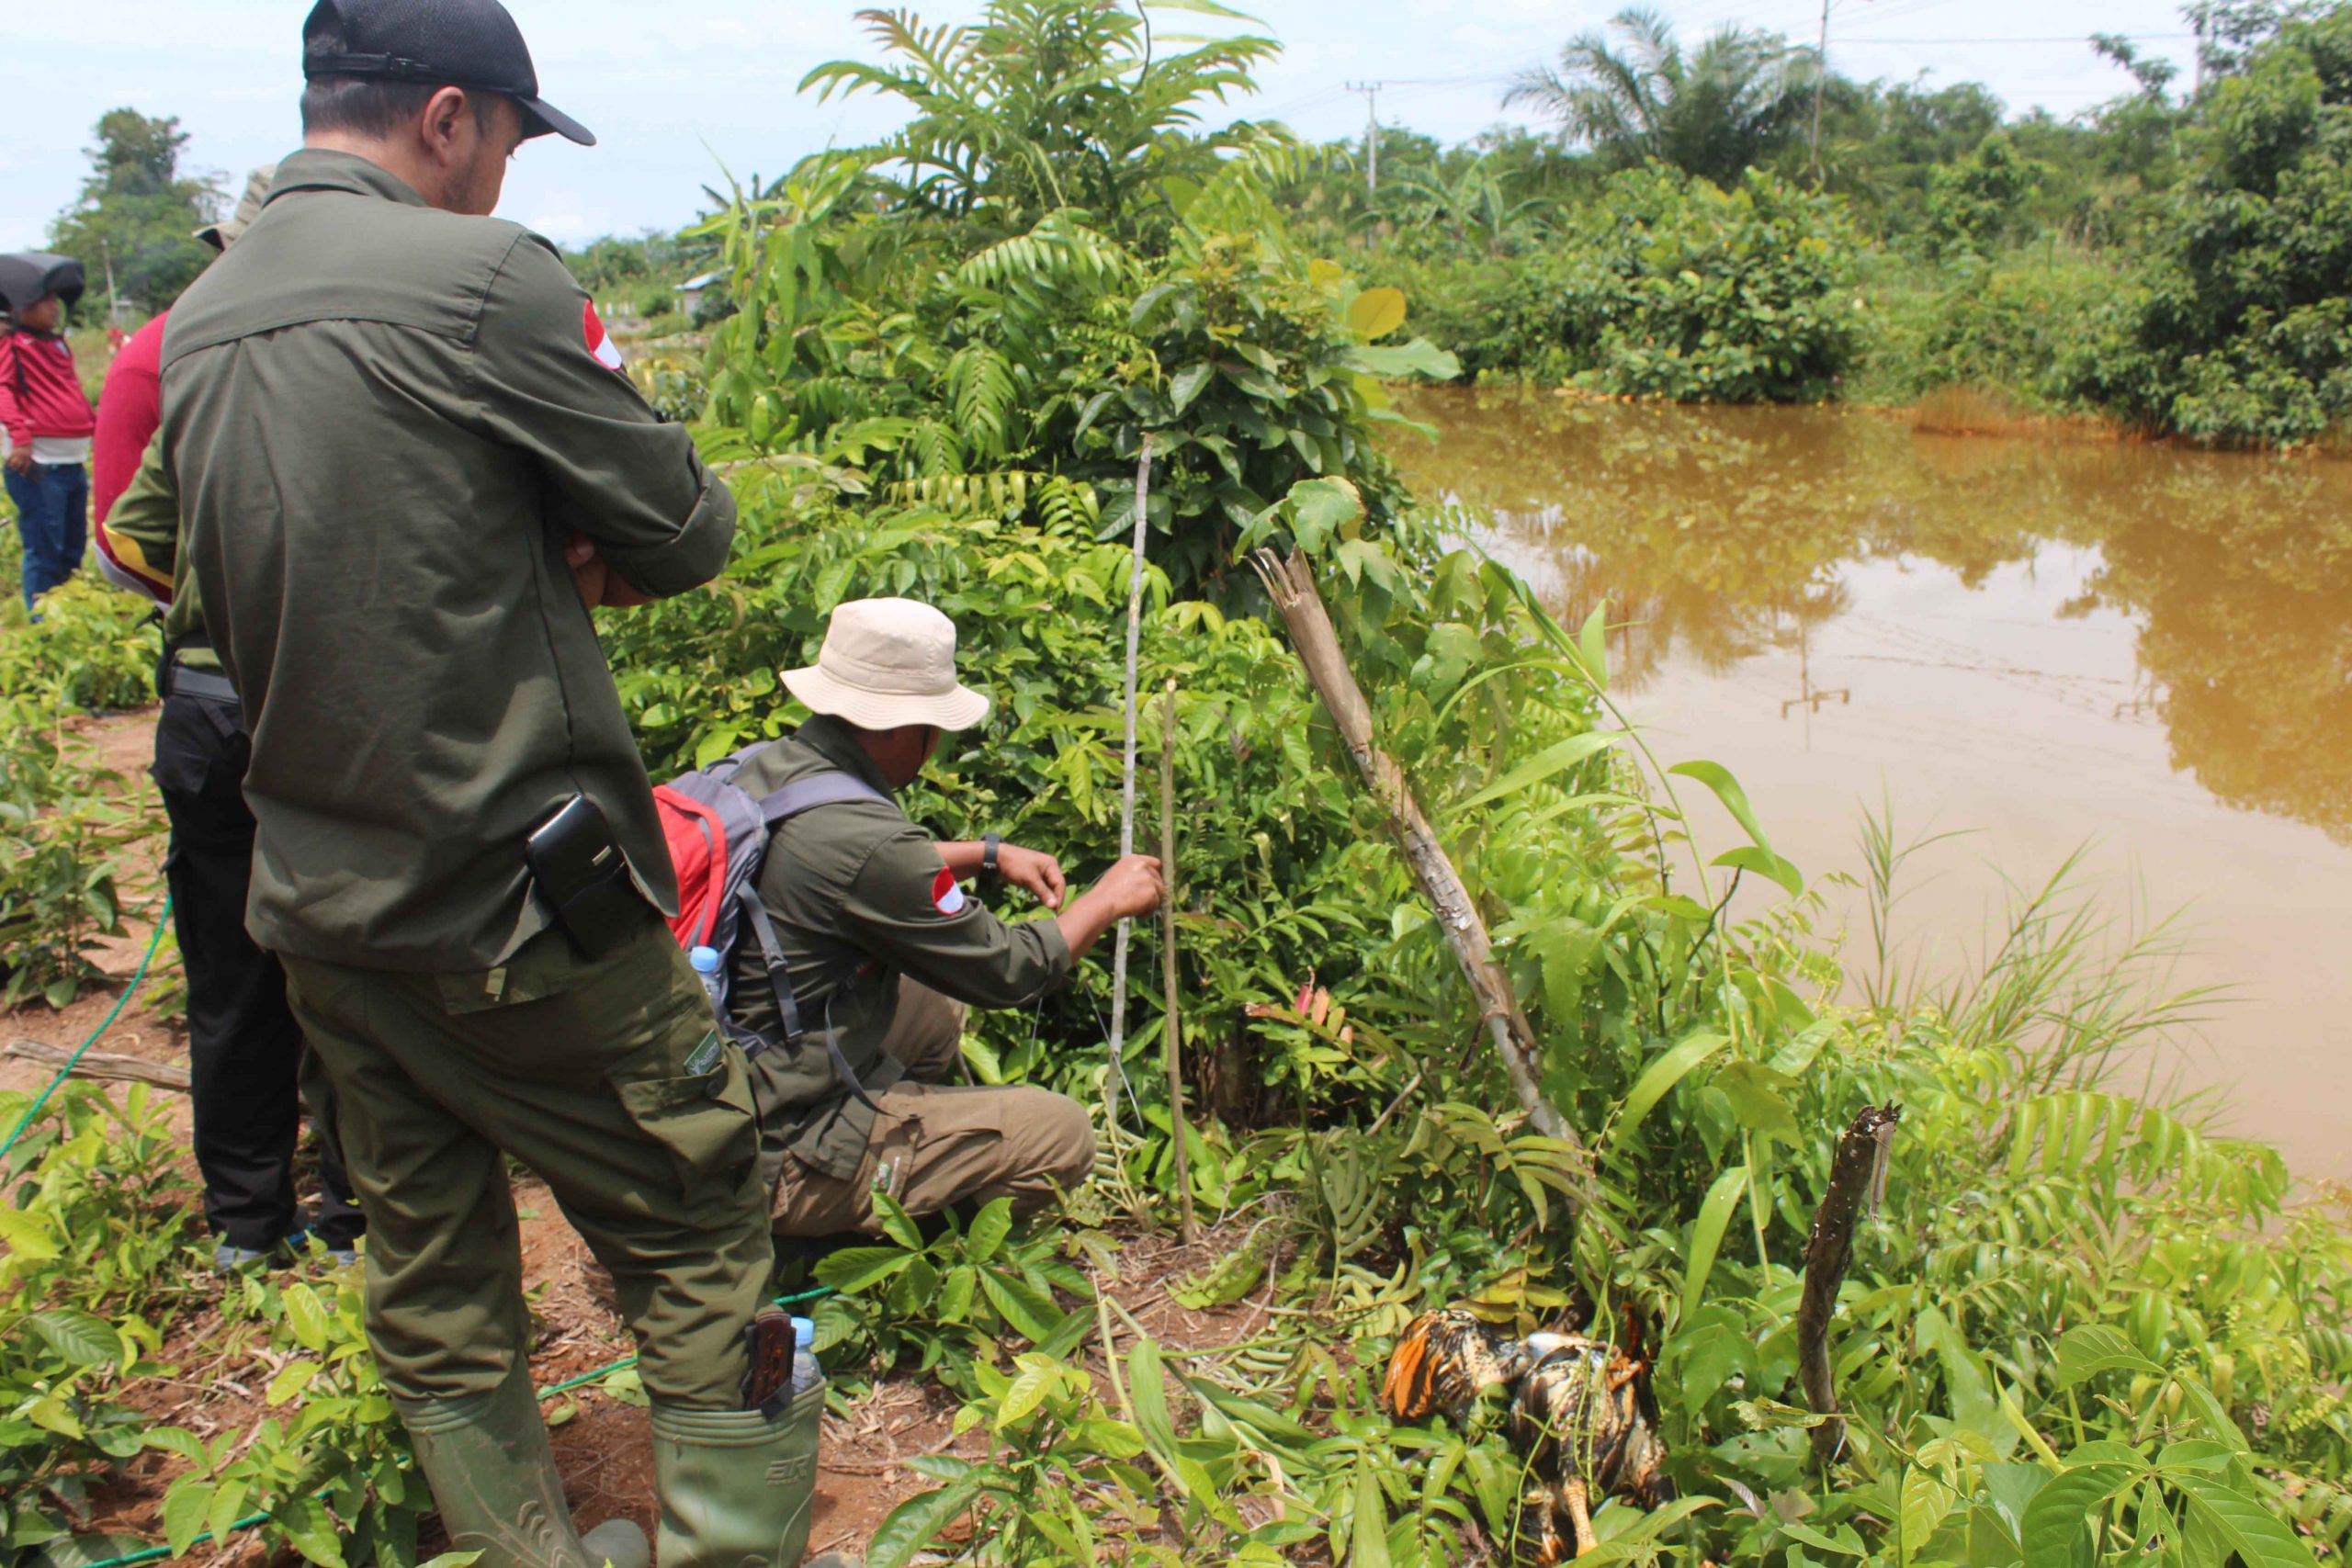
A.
x: 223, y: 234
x: 888, y: 662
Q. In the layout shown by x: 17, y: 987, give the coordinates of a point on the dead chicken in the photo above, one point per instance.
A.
x: 1580, y: 1417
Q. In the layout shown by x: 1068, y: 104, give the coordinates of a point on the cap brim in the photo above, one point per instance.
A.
x: 959, y: 709
x: 211, y: 235
x: 541, y: 118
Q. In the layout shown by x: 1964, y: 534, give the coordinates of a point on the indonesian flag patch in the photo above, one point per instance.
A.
x: 947, y: 893
x: 600, y: 342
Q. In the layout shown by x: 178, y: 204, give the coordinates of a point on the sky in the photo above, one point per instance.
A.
x: 673, y: 90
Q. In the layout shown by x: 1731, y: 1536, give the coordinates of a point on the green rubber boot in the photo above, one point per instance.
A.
x: 494, y: 1482
x: 735, y: 1487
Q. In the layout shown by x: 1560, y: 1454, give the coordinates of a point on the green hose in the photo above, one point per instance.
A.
x: 75, y: 1060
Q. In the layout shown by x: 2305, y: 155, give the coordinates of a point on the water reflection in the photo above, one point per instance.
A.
x: 1724, y: 535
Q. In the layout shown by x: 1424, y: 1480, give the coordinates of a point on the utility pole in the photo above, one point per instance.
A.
x: 1820, y: 81
x: 1371, y: 91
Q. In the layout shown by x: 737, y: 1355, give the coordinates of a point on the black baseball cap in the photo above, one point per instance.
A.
x: 472, y: 44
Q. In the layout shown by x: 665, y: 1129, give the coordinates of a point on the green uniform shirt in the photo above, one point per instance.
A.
x: 381, y: 423
x: 143, y: 531
x: 859, y: 896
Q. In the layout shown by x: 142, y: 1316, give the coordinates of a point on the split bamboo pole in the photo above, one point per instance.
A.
x: 1128, y: 782
x: 1858, y: 1172
x: 1291, y: 583
x: 1171, y: 1037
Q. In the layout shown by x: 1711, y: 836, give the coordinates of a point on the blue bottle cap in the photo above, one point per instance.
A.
x: 804, y: 1332
x: 705, y: 959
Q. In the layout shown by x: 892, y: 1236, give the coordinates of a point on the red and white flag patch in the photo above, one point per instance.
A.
x: 600, y: 342
x: 947, y: 893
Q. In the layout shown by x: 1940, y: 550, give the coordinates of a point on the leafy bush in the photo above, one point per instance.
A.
x: 2036, y: 330
x: 2243, y: 338
x: 1669, y: 288
x: 63, y: 829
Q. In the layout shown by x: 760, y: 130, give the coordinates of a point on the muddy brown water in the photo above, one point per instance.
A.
x: 2047, y: 644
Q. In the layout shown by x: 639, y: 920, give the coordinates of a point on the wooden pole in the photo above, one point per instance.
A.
x: 1292, y: 585
x: 1171, y: 1031
x: 1127, y: 786
x: 1857, y: 1172
x: 104, y: 1064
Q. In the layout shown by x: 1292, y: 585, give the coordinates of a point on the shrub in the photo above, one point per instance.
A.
x: 2245, y: 334
x: 1669, y: 288
x: 2036, y: 329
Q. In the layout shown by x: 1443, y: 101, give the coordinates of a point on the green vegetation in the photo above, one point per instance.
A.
x: 138, y: 214
x: 2084, y: 1328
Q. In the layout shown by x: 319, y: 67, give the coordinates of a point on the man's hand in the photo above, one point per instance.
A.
x: 1034, y: 869
x: 20, y: 461
x: 1132, y: 887
x: 599, y: 584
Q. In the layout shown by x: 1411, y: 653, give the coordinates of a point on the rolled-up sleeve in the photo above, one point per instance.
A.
x: 139, y: 537
x: 615, y: 472
x: 904, y: 909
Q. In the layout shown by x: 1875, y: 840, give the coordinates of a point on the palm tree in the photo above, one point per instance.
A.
x: 1711, y: 112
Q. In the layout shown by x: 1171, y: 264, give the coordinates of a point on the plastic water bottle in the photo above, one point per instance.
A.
x: 706, y: 966
x: 806, y: 1373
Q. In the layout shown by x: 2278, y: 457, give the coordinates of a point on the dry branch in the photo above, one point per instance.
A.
x: 1856, y: 1174
x: 103, y: 1064
x: 1292, y: 585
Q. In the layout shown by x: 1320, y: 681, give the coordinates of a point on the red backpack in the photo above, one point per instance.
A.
x: 718, y: 833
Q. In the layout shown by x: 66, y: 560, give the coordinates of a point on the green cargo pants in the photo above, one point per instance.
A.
x: 608, y: 1080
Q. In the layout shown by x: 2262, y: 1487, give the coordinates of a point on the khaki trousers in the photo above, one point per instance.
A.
x: 608, y: 1079
x: 934, y: 1146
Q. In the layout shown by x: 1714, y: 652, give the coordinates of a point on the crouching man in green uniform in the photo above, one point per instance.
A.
x: 883, y: 951
x: 405, y: 466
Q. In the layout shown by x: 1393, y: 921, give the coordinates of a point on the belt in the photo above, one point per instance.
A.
x: 204, y: 684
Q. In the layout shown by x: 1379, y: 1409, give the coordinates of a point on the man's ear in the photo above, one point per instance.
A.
x: 442, y: 113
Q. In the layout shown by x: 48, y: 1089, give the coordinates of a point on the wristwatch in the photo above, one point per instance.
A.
x: 990, y: 844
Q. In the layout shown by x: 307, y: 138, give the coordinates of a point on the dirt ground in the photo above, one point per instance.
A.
x: 602, y: 1445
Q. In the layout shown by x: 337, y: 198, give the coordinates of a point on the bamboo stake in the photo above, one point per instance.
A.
x: 1171, y: 1032
x: 1292, y: 585
x: 1127, y: 785
x: 1858, y: 1172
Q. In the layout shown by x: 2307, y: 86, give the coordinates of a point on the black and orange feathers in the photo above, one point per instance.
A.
x: 1579, y: 1416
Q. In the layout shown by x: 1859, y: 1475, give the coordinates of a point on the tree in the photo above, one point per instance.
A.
x: 1047, y: 105
x: 138, y: 214
x: 1711, y: 112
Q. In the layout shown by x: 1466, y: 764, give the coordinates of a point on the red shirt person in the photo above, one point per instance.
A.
x: 46, y: 418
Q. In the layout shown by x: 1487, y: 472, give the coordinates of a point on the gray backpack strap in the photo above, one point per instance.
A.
x: 828, y: 788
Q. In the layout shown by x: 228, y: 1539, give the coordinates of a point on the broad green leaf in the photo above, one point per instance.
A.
x: 2054, y: 1534
x: 310, y: 1530
x: 1035, y: 1384
x: 1186, y: 384
x: 2084, y: 1352
x: 306, y: 1317
x: 1756, y: 858
x: 1926, y: 1502
x: 184, y: 1506
x: 1798, y: 1529
x: 897, y: 1224
x: 1662, y: 1075
x: 228, y: 1509
x: 1148, y: 1392
x: 81, y: 1339
x: 990, y: 1227
x: 177, y: 1441
x: 1555, y: 758
x: 1321, y: 511
x: 1368, y: 1536
x: 1032, y: 1315
x: 1376, y: 313
x: 291, y: 1379
x: 1418, y: 357
x: 912, y: 1524
x: 28, y: 1235
x: 855, y: 1269
x: 1592, y: 647
x: 1707, y: 1235
x: 1758, y: 1098
x: 2258, y: 1535
x: 2211, y: 1411
x: 1717, y: 777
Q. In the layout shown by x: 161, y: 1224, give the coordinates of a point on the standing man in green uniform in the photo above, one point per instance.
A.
x: 881, y: 951
x: 406, y: 467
